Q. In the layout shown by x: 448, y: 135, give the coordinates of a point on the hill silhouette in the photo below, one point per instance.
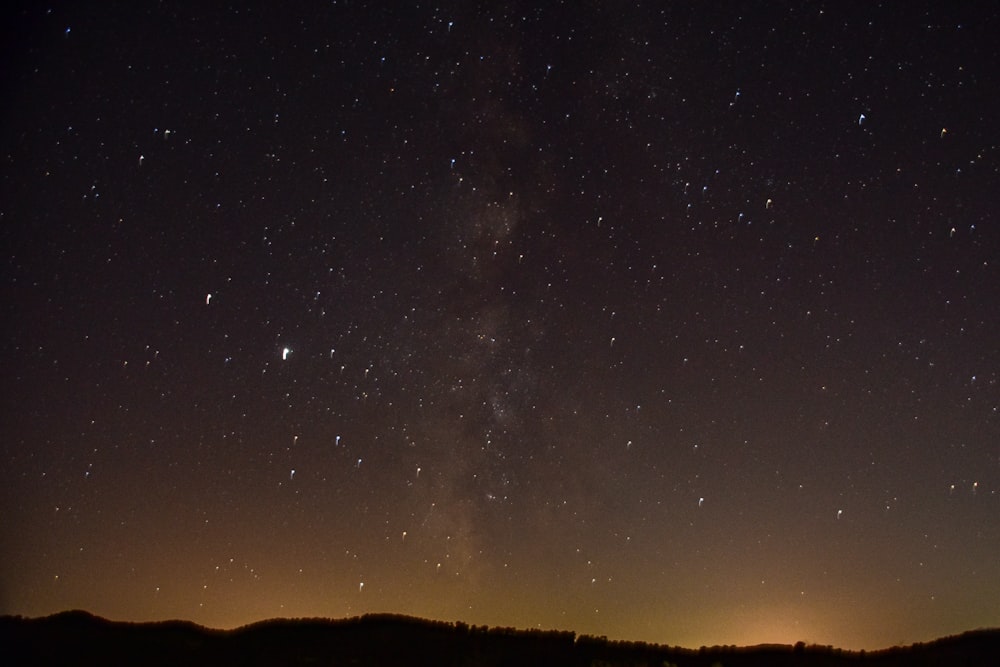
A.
x: 80, y: 638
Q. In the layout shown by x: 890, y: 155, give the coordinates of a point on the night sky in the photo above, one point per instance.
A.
x: 673, y: 322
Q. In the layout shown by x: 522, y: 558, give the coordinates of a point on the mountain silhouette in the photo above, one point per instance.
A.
x: 382, y: 640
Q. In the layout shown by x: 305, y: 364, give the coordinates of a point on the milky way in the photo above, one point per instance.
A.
x: 669, y: 324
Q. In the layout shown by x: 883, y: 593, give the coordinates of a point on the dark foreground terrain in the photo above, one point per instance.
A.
x: 78, y: 638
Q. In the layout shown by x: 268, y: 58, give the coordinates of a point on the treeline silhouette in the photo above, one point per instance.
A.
x: 80, y: 638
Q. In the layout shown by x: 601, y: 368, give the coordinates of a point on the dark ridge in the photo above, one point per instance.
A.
x: 377, y: 640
